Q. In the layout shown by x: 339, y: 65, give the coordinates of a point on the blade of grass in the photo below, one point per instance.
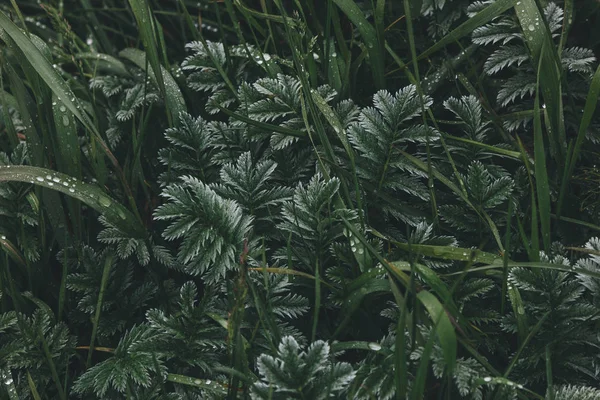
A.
x: 524, y: 343
x: 369, y: 35
x: 448, y: 183
x: 34, y: 393
x: 146, y: 26
x: 108, y: 263
x: 466, y: 28
x: 443, y: 327
x: 588, y: 112
x: 533, y: 244
x: 206, y: 384
x: 541, y: 173
x: 519, y: 311
x: 401, y: 364
x: 91, y: 195
x: 505, y: 256
x: 172, y: 95
x: 59, y: 87
x: 544, y: 56
x: 263, y: 125
x: 493, y: 149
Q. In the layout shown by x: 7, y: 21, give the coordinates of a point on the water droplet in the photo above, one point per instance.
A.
x: 487, y: 379
x: 62, y: 108
x: 39, y: 179
x: 197, y: 381
x: 4, y: 238
x: 71, y: 190
x: 520, y: 310
x: 50, y: 184
x: 105, y: 201
x: 374, y: 346
x: 531, y: 27
x: 65, y: 120
x: 48, y: 177
x: 208, y: 382
x: 360, y: 251
x: 65, y: 183
x: 55, y: 179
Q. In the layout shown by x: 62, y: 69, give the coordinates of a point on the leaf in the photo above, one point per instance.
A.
x: 369, y: 35
x: 146, y: 26
x: 443, y: 327
x: 172, y: 95
x: 91, y: 195
x: 545, y: 59
x: 484, y: 16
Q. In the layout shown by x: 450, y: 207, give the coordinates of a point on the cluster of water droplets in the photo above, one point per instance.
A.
x: 262, y: 58
x: 355, y: 244
x: 55, y: 180
x: 9, y: 384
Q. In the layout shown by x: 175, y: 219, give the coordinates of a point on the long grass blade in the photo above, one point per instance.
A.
x: 89, y: 194
x: 173, y: 98
x: 369, y: 35
x: 588, y: 112
x: 483, y: 17
x: 541, y: 173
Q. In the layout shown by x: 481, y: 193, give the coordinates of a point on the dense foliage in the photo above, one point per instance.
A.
x: 299, y: 199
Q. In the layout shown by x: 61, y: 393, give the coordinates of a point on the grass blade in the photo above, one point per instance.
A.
x: 174, y: 101
x: 588, y: 112
x: 146, y: 26
x: 89, y: 194
x: 541, y: 173
x: 369, y: 35
x: 482, y: 17
x: 544, y: 56
x: 443, y: 327
x: 108, y: 263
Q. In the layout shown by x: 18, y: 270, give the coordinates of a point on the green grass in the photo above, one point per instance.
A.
x: 354, y: 175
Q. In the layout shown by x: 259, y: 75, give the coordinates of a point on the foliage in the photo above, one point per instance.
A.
x: 312, y: 200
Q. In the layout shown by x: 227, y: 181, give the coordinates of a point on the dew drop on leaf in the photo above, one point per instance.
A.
x: 104, y: 201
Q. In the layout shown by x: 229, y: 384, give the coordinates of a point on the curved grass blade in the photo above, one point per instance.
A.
x: 45, y: 70
x: 541, y: 173
x: 482, y: 17
x: 369, y: 35
x: 263, y: 125
x: 34, y: 392
x: 145, y: 22
x: 91, y: 195
x: 173, y: 98
x: 205, y: 384
x: 545, y: 57
x: 108, y: 263
x: 588, y: 112
x: 104, y: 62
x: 59, y: 87
x: 446, y: 337
x: 492, y: 149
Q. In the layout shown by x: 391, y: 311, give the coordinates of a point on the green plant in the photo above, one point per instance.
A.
x: 340, y: 199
